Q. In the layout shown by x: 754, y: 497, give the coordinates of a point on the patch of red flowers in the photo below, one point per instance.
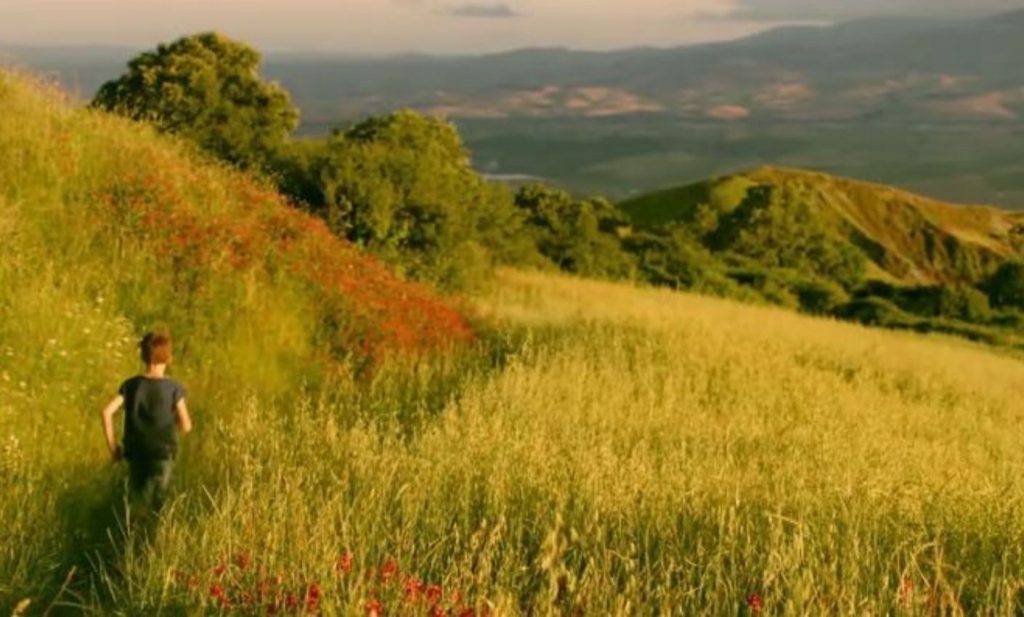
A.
x: 369, y: 311
x: 242, y: 585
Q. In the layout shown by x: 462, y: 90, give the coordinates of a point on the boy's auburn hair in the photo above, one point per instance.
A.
x: 155, y: 348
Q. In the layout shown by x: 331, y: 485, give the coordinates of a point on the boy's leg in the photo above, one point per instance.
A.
x: 159, y: 480
x: 149, y: 481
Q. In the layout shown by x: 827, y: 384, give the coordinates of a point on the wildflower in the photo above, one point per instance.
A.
x: 344, y: 564
x: 906, y: 591
x: 755, y: 603
x: 220, y: 570
x: 413, y: 587
x: 437, y: 611
x: 291, y: 601
x: 312, y: 597
x: 217, y: 591
x: 434, y: 594
x: 389, y: 570
x: 374, y: 608
x: 467, y: 612
x: 243, y: 560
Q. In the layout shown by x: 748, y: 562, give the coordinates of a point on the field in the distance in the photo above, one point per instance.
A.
x: 633, y: 452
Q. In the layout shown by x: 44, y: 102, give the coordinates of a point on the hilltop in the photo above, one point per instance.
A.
x: 909, y: 239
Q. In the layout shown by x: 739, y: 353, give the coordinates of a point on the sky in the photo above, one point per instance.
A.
x: 436, y: 26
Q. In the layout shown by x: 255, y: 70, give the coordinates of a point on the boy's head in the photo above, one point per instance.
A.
x: 155, y: 348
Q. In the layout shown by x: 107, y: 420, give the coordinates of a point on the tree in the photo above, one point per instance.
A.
x: 402, y: 186
x: 581, y: 236
x: 778, y: 227
x: 1006, y: 287
x: 206, y: 88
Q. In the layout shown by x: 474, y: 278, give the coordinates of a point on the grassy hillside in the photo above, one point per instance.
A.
x: 606, y: 451
x: 908, y: 238
x: 108, y: 230
x: 640, y: 452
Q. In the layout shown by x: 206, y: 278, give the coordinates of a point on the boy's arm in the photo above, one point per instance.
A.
x: 184, y: 420
x: 108, y: 426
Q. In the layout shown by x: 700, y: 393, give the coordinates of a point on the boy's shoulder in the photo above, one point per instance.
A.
x: 128, y: 383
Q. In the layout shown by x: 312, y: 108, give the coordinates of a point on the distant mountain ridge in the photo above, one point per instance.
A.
x: 890, y: 66
x: 933, y: 106
x: 908, y: 239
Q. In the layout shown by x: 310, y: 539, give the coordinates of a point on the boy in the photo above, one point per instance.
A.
x: 155, y: 413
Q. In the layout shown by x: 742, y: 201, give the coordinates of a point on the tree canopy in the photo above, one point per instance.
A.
x: 403, y: 186
x: 206, y: 88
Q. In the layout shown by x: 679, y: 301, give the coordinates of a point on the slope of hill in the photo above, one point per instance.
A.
x: 908, y: 238
x: 99, y: 207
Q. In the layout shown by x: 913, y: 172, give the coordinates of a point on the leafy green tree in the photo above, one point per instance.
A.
x: 402, y: 185
x: 673, y: 258
x: 206, y: 88
x: 779, y: 229
x: 580, y: 236
x: 1006, y: 287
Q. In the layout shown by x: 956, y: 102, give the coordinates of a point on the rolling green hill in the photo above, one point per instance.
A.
x: 908, y: 239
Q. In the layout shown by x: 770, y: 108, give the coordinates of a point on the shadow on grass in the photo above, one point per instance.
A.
x: 99, y: 540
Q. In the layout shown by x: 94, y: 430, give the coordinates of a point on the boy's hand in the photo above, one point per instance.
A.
x: 116, y: 454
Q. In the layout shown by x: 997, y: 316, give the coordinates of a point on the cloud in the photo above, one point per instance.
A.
x: 486, y: 11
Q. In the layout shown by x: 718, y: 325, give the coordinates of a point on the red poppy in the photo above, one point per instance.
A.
x: 438, y: 611
x: 312, y: 597
x: 344, y: 564
x: 755, y: 603
x: 216, y: 591
x: 389, y: 570
x: 374, y: 608
x: 243, y: 560
x: 290, y: 601
x: 434, y: 594
x: 906, y: 591
x: 413, y: 587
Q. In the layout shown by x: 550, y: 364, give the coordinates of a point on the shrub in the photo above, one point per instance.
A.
x: 1006, y: 287
x: 873, y: 311
x: 580, y: 236
x: 819, y: 297
x: 963, y: 302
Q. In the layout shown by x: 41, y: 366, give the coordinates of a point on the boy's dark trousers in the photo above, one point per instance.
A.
x: 148, y: 479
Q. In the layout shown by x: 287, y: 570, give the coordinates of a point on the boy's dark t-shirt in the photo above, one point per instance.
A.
x: 150, y: 420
